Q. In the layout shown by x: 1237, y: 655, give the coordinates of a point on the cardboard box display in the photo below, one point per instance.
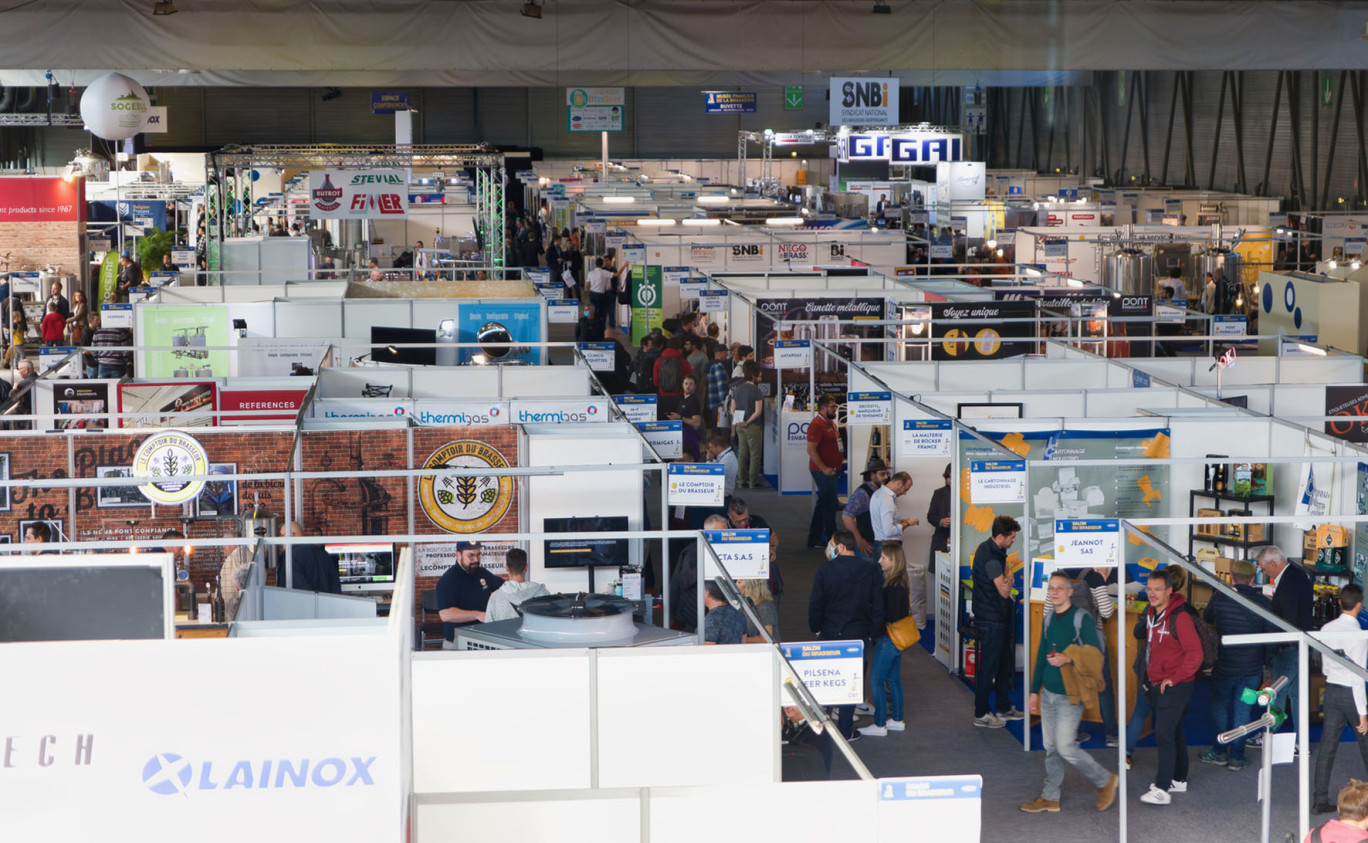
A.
x: 1209, y: 529
x: 1332, y: 535
x: 1246, y: 532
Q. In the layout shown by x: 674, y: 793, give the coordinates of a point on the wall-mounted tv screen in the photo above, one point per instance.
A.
x: 587, y: 552
x: 385, y: 342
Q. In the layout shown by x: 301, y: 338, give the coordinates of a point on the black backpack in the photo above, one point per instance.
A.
x: 671, y: 374
x: 1210, y: 640
x: 643, y: 371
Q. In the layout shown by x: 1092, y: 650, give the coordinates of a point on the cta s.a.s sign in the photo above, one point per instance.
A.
x: 858, y: 101
x: 357, y: 194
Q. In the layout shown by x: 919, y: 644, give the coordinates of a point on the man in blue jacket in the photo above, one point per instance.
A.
x: 1236, y: 668
x: 846, y: 604
x: 1292, y: 600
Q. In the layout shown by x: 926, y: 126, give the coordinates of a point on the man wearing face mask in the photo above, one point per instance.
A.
x: 588, y: 328
x: 846, y: 604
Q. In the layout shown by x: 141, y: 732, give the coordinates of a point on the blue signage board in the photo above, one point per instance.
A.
x: 729, y: 102
x: 388, y: 102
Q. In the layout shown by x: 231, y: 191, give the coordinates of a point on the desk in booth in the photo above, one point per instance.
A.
x: 1091, y: 714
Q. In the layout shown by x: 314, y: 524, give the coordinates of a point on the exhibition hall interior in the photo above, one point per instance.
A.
x: 525, y: 421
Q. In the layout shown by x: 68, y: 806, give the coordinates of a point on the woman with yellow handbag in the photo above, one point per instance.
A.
x: 886, y: 672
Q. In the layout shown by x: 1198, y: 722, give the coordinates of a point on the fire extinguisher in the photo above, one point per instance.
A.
x: 970, y: 662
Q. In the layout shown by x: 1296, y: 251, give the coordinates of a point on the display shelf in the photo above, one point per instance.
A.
x: 1245, y: 502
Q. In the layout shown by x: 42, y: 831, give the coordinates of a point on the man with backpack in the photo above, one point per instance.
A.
x: 1174, y: 652
x: 1236, y: 668
x: 670, y: 371
x: 642, y: 379
x: 1092, y: 595
x: 1066, y: 678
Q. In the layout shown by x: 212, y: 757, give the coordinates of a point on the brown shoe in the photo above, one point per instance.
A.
x: 1042, y: 805
x: 1106, y: 794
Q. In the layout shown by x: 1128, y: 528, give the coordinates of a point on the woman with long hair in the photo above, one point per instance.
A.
x: 758, y: 593
x: 80, y: 314
x: 886, y: 672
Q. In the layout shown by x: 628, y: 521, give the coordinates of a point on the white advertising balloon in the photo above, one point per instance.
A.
x: 114, y: 107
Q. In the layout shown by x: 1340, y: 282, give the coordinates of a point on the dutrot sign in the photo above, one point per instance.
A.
x: 863, y: 101
x: 357, y: 194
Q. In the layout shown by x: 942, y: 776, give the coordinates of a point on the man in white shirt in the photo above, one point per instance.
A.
x: 883, y: 511
x: 1344, y: 702
x: 600, y: 286
x: 503, y: 604
x: 720, y: 450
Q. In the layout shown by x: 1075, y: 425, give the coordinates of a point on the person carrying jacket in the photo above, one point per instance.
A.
x: 1236, y: 668
x: 1174, y: 658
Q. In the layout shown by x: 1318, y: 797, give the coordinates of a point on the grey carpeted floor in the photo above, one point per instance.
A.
x: 1220, y: 805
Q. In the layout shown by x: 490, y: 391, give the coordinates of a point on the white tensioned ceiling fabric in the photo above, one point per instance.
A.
x: 653, y: 42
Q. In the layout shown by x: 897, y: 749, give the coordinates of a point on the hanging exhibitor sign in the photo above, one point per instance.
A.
x: 792, y: 354
x: 915, y: 148
x: 833, y: 671
x: 713, y: 301
x: 166, y: 459
x: 388, y: 102
x: 729, y: 102
x: 859, y: 101
x: 939, y: 807
x: 666, y: 438
x: 997, y: 481
x: 981, y: 330
x: 927, y: 437
x: 691, y: 288
x: 637, y: 408
x: 869, y: 407
x: 24, y: 199
x: 599, y: 355
x: 697, y: 484
x: 561, y: 311
x: 744, y: 553
x: 1087, y: 543
x: 595, y: 109
x: 465, y: 503
x: 357, y: 194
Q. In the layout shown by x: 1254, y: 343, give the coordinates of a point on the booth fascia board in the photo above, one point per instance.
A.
x: 597, y: 493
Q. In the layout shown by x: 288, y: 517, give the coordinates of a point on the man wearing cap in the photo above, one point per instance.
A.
x: 1236, y: 668
x: 463, y: 592
x: 856, y: 513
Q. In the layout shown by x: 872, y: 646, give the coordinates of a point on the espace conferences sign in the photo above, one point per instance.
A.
x: 858, y: 101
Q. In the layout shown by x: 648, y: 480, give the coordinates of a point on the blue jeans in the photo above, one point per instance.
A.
x: 1137, y: 718
x: 886, y: 674
x: 823, y: 525
x: 1285, y: 664
x: 1227, y: 711
x: 1059, y: 721
x: 996, y: 664
x: 104, y: 370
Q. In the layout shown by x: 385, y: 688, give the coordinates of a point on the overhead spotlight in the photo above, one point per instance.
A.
x: 881, y: 8
x: 164, y: 7
x: 531, y: 9
x: 331, y: 94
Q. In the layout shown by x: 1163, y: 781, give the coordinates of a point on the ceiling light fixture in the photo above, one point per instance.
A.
x: 531, y: 9
x: 164, y: 7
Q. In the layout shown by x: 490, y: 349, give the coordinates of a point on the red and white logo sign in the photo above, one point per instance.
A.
x: 260, y: 405
x: 25, y: 199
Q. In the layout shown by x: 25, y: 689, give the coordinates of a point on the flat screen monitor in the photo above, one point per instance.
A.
x: 87, y: 597
x: 385, y: 344
x: 363, y: 566
x: 586, y: 552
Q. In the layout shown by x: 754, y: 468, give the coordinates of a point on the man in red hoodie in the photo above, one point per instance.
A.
x: 670, y: 371
x: 1175, y: 656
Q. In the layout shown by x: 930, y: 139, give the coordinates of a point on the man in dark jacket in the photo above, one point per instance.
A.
x: 846, y: 604
x: 1292, y: 599
x: 1236, y: 668
x: 993, y: 611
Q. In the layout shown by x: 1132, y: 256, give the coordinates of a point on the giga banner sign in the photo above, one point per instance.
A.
x: 914, y: 148
x: 357, y: 194
x: 863, y: 101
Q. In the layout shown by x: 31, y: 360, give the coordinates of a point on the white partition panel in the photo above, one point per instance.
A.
x: 455, y: 381
x: 353, y: 383
x: 430, y: 313
x: 524, y: 713
x: 983, y: 374
x: 1245, y: 370
x: 662, y: 712
x: 360, y: 315
x: 837, y: 810
x: 1062, y: 374
x: 545, y: 381
x: 576, y: 818
x: 308, y: 318
x: 1320, y: 370
x: 908, y: 378
x: 1176, y: 370
x: 1125, y: 402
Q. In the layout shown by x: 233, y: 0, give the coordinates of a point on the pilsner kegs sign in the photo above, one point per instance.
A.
x: 977, y: 330
x: 357, y: 194
x: 863, y: 102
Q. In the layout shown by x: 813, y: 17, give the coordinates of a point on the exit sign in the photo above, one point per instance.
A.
x: 793, y: 97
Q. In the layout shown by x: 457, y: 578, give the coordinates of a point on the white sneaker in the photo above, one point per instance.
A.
x: 873, y: 731
x: 864, y: 708
x: 1178, y: 787
x: 1155, y: 796
x: 989, y: 721
x: 896, y: 726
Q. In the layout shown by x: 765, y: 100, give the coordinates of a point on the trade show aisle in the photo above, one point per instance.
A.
x: 940, y: 740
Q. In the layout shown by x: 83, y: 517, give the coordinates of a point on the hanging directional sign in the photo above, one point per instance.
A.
x: 793, y: 97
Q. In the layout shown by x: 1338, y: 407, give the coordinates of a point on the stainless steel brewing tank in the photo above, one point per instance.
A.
x: 1129, y: 272
x: 1219, y: 261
